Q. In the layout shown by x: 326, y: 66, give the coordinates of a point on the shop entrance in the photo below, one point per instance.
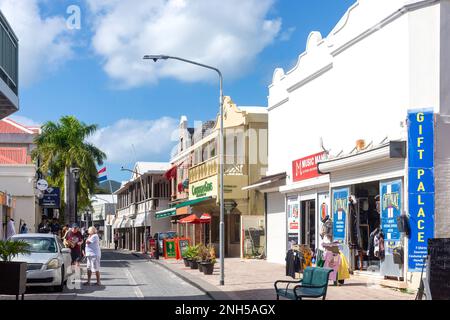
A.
x: 308, y: 224
x: 365, y: 227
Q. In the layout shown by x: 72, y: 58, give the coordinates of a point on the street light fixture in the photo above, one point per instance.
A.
x: 155, y: 58
x: 145, y: 206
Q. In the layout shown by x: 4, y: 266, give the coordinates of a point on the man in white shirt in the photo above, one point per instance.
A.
x: 93, y: 255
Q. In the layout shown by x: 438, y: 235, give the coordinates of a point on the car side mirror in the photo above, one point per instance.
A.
x: 65, y: 250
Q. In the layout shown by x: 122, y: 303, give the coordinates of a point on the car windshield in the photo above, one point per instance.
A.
x: 168, y: 235
x: 40, y: 245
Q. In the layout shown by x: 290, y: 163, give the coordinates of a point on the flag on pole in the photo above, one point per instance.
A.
x: 102, y: 175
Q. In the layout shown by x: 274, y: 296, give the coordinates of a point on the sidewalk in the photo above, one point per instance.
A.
x: 254, y: 279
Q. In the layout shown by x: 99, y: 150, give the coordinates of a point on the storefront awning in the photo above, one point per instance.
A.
x: 165, y: 213
x: 171, y: 173
x: 140, y: 220
x: 192, y: 202
x: 390, y: 150
x: 117, y: 223
x: 128, y: 223
x: 205, y: 218
x: 268, y: 182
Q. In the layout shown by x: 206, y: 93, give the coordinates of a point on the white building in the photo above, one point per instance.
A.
x: 383, y: 58
x: 138, y: 200
x: 103, y: 215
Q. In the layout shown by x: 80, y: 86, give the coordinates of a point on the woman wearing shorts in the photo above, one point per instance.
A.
x: 93, y: 255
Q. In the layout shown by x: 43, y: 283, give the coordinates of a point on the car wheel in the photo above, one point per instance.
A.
x: 60, y: 287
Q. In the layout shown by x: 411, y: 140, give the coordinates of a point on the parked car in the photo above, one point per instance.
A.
x: 160, y: 236
x: 49, y: 263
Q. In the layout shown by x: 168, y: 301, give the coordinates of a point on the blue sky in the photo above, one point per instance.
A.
x: 95, y: 73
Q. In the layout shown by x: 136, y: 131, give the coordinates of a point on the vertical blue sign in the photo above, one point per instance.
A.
x: 391, y: 209
x: 340, y: 208
x: 421, y: 187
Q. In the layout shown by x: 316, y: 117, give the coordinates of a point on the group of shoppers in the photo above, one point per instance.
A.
x: 86, y: 246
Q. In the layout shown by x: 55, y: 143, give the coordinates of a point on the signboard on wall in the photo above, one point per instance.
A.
x: 421, y: 187
x: 51, y: 198
x: 203, y: 188
x: 340, y: 209
x: 293, y: 220
x: 306, y: 168
x: 391, y: 209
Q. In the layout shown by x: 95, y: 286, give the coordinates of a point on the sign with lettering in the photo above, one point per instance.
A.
x: 439, y: 265
x: 421, y: 187
x: 203, y: 188
x: 340, y: 209
x: 306, y: 168
x: 391, y: 209
x: 51, y: 198
x: 183, y: 245
x: 170, y: 249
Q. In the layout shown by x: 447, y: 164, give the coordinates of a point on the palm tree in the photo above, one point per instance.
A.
x: 62, y: 146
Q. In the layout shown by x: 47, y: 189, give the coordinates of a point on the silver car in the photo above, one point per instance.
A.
x: 49, y: 263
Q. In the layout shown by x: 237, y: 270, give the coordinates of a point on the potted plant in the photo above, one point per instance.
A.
x: 210, y: 261
x: 193, y: 263
x: 202, y: 256
x: 13, y: 275
x: 187, y: 256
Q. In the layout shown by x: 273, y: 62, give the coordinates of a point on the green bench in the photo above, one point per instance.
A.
x: 313, y: 285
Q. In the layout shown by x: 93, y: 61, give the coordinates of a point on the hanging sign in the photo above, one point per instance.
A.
x: 306, y: 168
x: 340, y: 209
x: 421, y: 187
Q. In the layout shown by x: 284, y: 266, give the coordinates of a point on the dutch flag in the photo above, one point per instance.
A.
x: 102, y: 175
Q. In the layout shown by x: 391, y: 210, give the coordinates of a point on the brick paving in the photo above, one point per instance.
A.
x: 254, y: 279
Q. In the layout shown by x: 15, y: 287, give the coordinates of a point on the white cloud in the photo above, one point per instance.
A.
x: 44, y: 43
x: 151, y: 138
x: 25, y: 121
x: 226, y: 34
x: 287, y: 34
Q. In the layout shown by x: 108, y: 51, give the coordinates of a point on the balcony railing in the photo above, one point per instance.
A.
x: 210, y: 168
x: 204, y: 170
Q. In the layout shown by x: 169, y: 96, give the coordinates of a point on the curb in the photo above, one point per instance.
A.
x: 210, y: 290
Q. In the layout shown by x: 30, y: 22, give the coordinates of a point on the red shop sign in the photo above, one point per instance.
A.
x: 306, y: 168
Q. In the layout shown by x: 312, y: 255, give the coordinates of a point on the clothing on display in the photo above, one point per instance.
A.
x: 353, y: 223
x: 293, y: 263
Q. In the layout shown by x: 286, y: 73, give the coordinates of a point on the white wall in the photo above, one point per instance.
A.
x: 362, y: 92
x: 276, y: 228
x: 18, y: 180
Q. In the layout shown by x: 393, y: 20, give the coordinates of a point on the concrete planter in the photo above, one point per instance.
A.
x: 186, y: 262
x: 13, y: 278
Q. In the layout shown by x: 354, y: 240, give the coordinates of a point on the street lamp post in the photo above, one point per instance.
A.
x: 76, y: 176
x: 145, y: 206
x: 155, y: 58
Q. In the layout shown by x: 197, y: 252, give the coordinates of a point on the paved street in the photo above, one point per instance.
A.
x: 125, y: 276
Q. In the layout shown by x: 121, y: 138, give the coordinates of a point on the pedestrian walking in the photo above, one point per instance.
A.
x: 10, y: 229
x: 55, y: 227
x: 93, y: 255
x: 116, y: 240
x: 23, y: 228
x: 73, y: 240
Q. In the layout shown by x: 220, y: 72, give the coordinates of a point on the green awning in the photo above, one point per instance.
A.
x: 192, y: 202
x: 165, y: 213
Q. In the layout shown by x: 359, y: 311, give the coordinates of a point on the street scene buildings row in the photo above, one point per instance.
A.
x: 352, y: 145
